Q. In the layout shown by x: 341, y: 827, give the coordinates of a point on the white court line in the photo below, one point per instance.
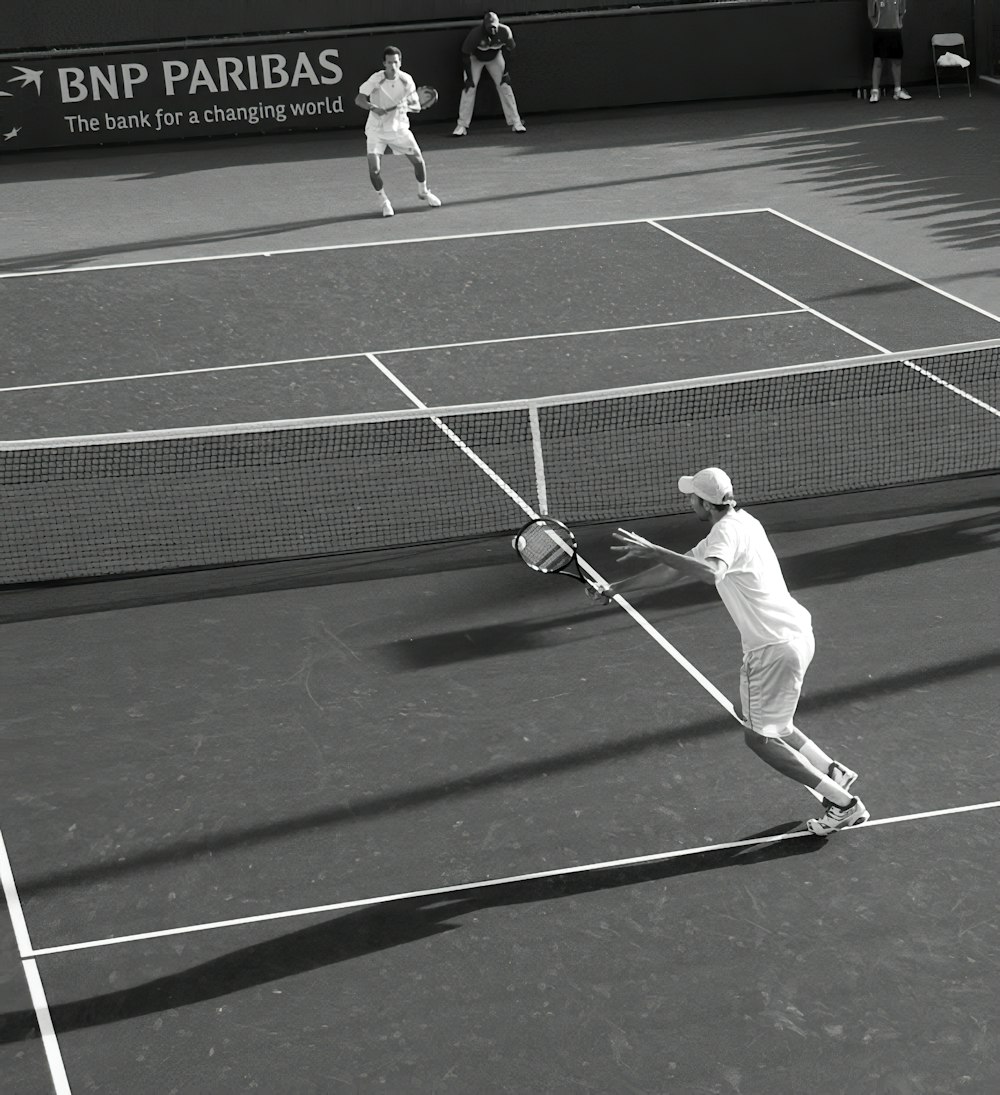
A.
x: 885, y: 265
x: 600, y: 581
x: 836, y: 323
x: 766, y: 285
x: 402, y: 350
x: 35, y: 987
x: 369, y: 243
x: 489, y: 883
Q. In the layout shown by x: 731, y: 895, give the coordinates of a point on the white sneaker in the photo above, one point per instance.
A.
x: 518, y: 128
x: 873, y: 95
x: 901, y: 93
x: 460, y: 130
x: 432, y: 199
x: 839, y: 817
x: 387, y: 209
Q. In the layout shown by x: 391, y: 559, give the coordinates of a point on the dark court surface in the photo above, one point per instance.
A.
x: 200, y: 748
x: 205, y: 747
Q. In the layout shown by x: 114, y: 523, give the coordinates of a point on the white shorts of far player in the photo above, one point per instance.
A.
x: 402, y: 142
x: 496, y: 69
x: 771, y: 682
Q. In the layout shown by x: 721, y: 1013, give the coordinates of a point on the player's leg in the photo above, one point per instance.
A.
x: 897, y: 79
x: 375, y: 150
x: 770, y: 685
x: 473, y: 69
x: 873, y: 95
x: 878, y: 48
x: 775, y: 752
x: 411, y: 150
x: 501, y: 77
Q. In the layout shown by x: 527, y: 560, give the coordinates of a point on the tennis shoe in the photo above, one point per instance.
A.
x: 460, y: 131
x: 432, y: 199
x: 839, y: 817
x: 873, y: 95
x: 387, y: 209
x: 518, y: 127
x: 842, y: 776
x: 901, y: 93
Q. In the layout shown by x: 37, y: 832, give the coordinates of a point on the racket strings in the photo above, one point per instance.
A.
x: 546, y: 546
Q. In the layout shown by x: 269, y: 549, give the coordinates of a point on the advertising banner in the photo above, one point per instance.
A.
x: 248, y: 88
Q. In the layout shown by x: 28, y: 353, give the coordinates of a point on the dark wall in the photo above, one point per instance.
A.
x: 48, y: 24
x: 711, y: 52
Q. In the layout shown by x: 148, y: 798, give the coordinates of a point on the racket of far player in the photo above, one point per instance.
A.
x: 549, y: 547
x: 426, y: 96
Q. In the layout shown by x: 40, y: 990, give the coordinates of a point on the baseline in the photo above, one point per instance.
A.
x: 368, y: 243
x: 483, y: 884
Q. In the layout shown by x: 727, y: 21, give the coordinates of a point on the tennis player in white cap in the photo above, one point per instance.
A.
x: 776, y: 631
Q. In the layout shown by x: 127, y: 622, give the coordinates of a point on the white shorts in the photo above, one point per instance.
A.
x: 771, y: 683
x: 401, y: 142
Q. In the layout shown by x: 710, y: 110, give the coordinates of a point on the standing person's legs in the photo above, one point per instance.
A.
x: 878, y: 52
x: 467, y: 102
x: 770, y: 684
x: 415, y: 156
x: 375, y: 150
x: 896, y: 63
x: 497, y: 68
x: 876, y: 79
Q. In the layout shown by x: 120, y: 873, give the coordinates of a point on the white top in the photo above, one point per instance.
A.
x: 385, y: 93
x: 752, y: 586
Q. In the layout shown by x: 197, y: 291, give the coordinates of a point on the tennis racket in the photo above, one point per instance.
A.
x: 548, y: 546
x: 426, y: 96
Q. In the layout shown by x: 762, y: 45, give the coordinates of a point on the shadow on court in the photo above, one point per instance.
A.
x: 378, y: 928
x: 360, y: 810
x: 803, y: 570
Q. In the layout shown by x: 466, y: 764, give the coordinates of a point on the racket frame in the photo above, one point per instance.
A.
x: 571, y: 560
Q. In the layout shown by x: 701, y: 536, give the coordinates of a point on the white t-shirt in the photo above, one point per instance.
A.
x: 752, y: 586
x: 382, y: 93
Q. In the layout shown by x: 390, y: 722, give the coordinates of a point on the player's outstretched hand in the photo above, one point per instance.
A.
x: 633, y: 547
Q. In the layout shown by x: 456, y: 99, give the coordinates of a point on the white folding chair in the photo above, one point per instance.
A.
x: 944, y: 46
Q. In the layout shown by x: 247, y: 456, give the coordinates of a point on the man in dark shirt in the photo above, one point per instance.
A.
x: 485, y: 47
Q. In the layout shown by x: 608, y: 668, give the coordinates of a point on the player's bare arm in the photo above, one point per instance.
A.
x: 365, y: 103
x: 632, y: 547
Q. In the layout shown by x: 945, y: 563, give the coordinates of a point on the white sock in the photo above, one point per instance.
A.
x: 816, y: 757
x: 422, y: 187
x: 836, y: 794
x: 382, y: 196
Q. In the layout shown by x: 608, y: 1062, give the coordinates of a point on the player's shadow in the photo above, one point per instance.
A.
x: 804, y: 570
x: 382, y: 927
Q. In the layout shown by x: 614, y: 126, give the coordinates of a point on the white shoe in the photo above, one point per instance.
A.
x: 901, y: 93
x: 838, y: 817
x: 432, y: 199
x: 873, y: 95
x: 460, y: 130
x: 387, y: 209
x: 518, y: 127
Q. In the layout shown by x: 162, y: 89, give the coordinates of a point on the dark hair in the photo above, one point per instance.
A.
x: 392, y: 49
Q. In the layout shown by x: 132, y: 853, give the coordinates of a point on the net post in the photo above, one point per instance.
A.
x: 539, y: 458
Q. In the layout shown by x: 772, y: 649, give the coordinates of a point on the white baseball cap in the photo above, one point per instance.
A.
x: 710, y: 484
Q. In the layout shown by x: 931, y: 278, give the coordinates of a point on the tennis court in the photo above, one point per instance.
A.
x: 418, y: 819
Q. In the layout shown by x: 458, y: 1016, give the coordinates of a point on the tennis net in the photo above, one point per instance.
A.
x: 107, y: 505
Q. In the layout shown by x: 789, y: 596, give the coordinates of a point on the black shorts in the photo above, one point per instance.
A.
x: 888, y: 44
